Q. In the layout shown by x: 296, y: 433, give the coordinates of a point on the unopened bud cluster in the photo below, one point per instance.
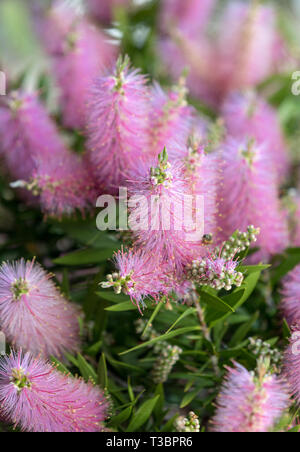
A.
x: 238, y: 242
x: 215, y: 272
x: 188, y: 424
x: 163, y: 366
x: 161, y: 175
x: 264, y: 351
x: 118, y: 283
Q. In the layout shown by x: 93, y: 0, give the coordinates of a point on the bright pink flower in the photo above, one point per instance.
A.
x: 37, y: 398
x: 64, y: 184
x: 117, y: 125
x: 165, y: 217
x: 250, y: 116
x: 296, y: 232
x: 290, y: 303
x: 247, y: 405
x: 83, y: 54
x: 33, y: 313
x: 103, y: 9
x: 171, y: 120
x: 139, y: 275
x: 190, y: 16
x: 248, y: 195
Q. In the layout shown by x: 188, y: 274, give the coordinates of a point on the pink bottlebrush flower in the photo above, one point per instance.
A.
x: 165, y: 217
x: 239, y: 55
x: 33, y: 313
x: 37, y: 398
x: 103, y: 9
x: 117, y: 125
x: 251, y: 116
x: 248, y: 404
x: 83, y: 54
x: 204, y: 173
x: 292, y: 362
x: 248, y: 195
x: 139, y: 275
x: 290, y: 303
x: 296, y: 231
x: 64, y: 184
x: 26, y: 132
x: 171, y: 120
x: 189, y: 16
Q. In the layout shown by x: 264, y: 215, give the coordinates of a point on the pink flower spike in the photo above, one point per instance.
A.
x: 138, y: 275
x: 247, y: 405
x: 33, y: 314
x: 37, y: 398
x: 248, y: 194
x: 290, y: 303
x: 117, y: 124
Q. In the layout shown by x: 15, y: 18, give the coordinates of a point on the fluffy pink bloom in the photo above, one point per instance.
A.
x: 250, y: 116
x: 26, y: 132
x: 103, y: 9
x: 189, y: 16
x: 239, y: 55
x: 163, y: 219
x: 203, y: 172
x: 80, y: 54
x: 33, y: 313
x: 247, y: 405
x: 117, y: 124
x: 296, y: 232
x: 290, y: 303
x: 292, y: 362
x: 248, y: 195
x: 64, y: 184
x: 37, y: 398
x: 171, y: 120
x: 139, y: 275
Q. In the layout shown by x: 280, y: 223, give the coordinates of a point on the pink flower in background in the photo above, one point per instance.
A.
x: 26, y: 132
x: 171, y: 119
x: 248, y: 194
x: 33, y: 313
x: 240, y: 54
x: 290, y: 303
x: 103, y: 9
x: 247, y: 405
x: 37, y: 398
x: 79, y: 52
x: 139, y: 275
x: 190, y: 16
x: 251, y: 116
x: 296, y: 232
x: 117, y: 125
x: 63, y: 185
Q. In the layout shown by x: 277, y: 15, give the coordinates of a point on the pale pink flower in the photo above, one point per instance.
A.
x: 117, y: 125
x: 171, y: 120
x: 251, y: 116
x: 248, y: 194
x: 190, y: 16
x: 35, y: 397
x: 81, y: 53
x: 296, y: 232
x: 292, y: 362
x: 248, y: 404
x: 139, y: 275
x: 290, y: 303
x: 33, y: 313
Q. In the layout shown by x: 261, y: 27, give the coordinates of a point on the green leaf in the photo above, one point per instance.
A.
x: 121, y: 307
x: 143, y: 414
x: 163, y: 337
x: 86, y: 369
x: 188, y: 398
x: 243, y: 330
x: 59, y: 366
x: 87, y: 256
x: 102, y: 372
x: 291, y: 259
x: 213, y: 316
x: 186, y: 313
x: 112, y: 296
x: 121, y: 417
x: 154, y: 314
x: 215, y: 302
x: 286, y: 330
